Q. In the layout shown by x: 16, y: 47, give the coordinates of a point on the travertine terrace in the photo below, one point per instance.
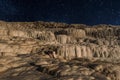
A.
x: 59, y: 51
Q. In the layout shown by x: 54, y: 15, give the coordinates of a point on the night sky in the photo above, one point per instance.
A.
x: 89, y: 12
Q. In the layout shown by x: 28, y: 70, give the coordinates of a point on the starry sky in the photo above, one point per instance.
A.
x: 90, y: 12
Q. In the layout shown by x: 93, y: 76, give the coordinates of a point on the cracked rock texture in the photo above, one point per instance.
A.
x: 59, y: 51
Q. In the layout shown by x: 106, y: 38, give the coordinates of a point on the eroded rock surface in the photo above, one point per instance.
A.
x: 59, y: 51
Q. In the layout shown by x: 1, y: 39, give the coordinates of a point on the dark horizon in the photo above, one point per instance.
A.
x: 89, y: 12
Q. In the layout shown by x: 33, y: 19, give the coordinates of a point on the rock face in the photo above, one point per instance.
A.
x: 59, y: 51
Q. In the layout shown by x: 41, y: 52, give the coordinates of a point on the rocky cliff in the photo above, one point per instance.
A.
x: 58, y: 51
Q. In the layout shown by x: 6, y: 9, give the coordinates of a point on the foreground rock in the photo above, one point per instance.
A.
x: 59, y: 51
